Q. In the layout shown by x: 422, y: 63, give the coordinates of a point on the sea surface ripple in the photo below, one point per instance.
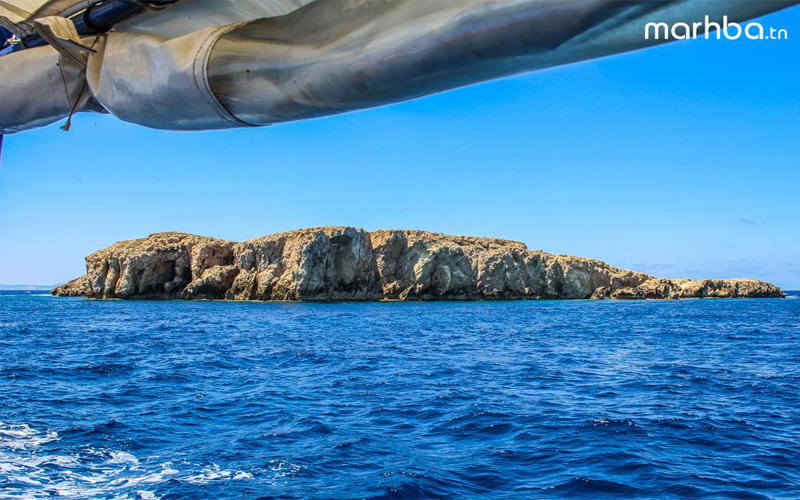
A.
x: 539, y: 399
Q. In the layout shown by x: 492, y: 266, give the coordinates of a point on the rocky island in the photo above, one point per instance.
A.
x: 346, y: 263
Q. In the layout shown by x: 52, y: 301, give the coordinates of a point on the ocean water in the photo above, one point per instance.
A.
x: 540, y: 399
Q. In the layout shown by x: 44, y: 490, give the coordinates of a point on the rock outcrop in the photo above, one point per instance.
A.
x: 345, y: 263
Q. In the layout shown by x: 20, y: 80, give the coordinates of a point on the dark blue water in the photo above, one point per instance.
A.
x: 689, y: 399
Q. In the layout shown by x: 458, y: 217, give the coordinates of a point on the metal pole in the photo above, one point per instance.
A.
x: 101, y: 17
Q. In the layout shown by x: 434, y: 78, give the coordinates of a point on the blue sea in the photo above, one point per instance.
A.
x: 537, y: 399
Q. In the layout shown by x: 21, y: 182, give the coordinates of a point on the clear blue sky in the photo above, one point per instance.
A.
x: 681, y: 161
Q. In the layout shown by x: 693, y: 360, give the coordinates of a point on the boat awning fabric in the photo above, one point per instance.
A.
x: 18, y: 16
x: 185, y: 17
x: 207, y: 64
x: 20, y: 10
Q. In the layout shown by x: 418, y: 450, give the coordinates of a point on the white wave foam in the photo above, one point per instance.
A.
x: 282, y: 469
x: 214, y: 473
x: 23, y: 436
x: 30, y: 471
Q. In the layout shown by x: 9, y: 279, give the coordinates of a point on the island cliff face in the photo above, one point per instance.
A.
x: 345, y: 263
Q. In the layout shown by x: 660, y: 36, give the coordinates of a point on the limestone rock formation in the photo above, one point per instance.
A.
x: 332, y: 263
x: 345, y: 263
x: 159, y: 266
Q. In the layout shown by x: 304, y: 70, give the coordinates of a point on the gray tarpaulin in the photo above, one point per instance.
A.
x: 205, y: 64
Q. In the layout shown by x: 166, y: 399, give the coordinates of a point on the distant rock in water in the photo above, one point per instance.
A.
x: 345, y: 263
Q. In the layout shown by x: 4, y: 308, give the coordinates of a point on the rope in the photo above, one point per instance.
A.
x: 68, y: 124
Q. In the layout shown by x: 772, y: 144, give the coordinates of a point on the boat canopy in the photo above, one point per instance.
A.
x: 209, y: 64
